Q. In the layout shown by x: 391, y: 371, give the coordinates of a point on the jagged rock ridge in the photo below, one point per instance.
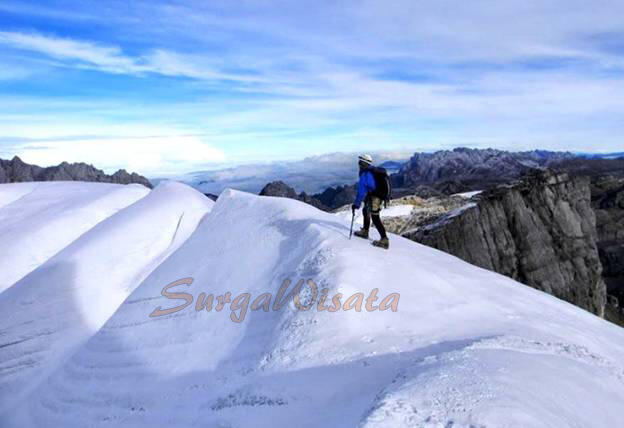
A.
x: 16, y: 170
x: 464, y: 169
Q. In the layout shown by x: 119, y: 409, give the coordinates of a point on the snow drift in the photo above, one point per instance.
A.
x: 39, y: 219
x: 466, y: 347
x: 55, y: 308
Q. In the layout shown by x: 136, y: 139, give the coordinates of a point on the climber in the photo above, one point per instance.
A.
x: 373, y: 189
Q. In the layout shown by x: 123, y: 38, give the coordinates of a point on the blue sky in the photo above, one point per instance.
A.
x: 169, y: 87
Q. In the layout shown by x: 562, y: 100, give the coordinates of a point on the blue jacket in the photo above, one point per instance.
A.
x: 365, y: 185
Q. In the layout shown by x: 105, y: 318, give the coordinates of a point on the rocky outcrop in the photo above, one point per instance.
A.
x: 15, y: 170
x: 614, y: 310
x: 334, y: 197
x: 424, y: 211
x: 540, y: 231
x: 283, y: 190
x: 280, y: 189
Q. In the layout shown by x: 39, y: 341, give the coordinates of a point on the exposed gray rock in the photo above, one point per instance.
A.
x: 303, y: 196
x: 283, y: 190
x: 595, y: 168
x: 15, y: 170
x: 608, y: 203
x: 612, y: 258
x: 280, y: 189
x: 614, y: 310
x: 540, y: 231
x: 334, y: 197
x: 424, y: 211
x: 124, y: 177
x: 425, y: 192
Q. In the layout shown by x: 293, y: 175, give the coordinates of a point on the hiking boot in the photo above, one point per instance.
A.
x: 362, y: 233
x: 382, y: 243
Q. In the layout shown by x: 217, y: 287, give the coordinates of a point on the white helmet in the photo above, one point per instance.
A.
x: 367, y: 159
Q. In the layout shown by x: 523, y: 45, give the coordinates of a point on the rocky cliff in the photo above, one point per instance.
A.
x: 540, y: 231
x: 608, y: 204
x: 15, y: 170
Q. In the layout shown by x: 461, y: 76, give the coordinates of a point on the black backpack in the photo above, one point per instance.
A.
x: 383, y: 186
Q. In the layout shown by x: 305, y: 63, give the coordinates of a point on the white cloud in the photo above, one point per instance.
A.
x: 109, y: 58
x: 148, y: 155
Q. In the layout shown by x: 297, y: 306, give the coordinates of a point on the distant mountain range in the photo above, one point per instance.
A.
x: 16, y: 170
x: 454, y: 171
x: 448, y: 171
x: 464, y: 169
x: 327, y: 180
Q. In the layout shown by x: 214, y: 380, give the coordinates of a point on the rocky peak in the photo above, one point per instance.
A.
x: 280, y: 189
x: 17, y: 160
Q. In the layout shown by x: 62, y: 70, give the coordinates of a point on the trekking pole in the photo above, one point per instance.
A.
x: 352, y: 219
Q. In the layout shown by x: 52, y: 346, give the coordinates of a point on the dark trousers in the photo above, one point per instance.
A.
x: 371, y: 211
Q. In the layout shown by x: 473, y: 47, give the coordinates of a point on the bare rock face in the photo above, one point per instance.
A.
x: 540, y: 231
x: 15, y: 170
x: 608, y: 203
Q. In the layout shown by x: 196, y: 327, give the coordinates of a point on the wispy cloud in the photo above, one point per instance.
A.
x: 108, y: 58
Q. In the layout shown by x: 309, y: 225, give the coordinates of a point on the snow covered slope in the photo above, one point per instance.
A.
x: 58, y: 306
x: 466, y: 347
x: 39, y: 219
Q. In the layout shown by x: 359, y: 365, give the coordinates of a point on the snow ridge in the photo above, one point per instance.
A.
x: 466, y: 347
x: 55, y: 308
